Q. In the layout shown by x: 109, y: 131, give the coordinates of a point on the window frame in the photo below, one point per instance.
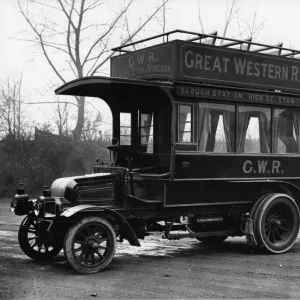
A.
x: 140, y: 129
x: 181, y: 147
x: 235, y: 129
x: 290, y: 108
x: 238, y: 106
x: 123, y: 126
x: 194, y: 130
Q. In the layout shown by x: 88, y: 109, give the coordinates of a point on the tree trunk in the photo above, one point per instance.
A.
x: 80, y: 118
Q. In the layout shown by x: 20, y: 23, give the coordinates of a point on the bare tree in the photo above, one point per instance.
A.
x: 199, y: 17
x: 91, y: 126
x: 249, y: 28
x: 12, y: 119
x: 253, y: 27
x: 69, y: 36
x: 62, y: 117
x: 229, y: 17
x: 164, y: 18
x: 230, y: 12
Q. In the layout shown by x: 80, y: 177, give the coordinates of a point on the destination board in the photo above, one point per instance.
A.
x: 236, y: 67
x: 223, y: 94
x: 154, y: 62
x: 194, y: 62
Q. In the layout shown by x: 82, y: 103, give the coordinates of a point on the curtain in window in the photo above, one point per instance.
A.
x: 204, y: 116
x: 214, y: 120
x: 229, y: 129
x: 276, y: 127
x: 286, y: 131
x: 296, y: 120
x: 264, y: 136
x: 216, y: 125
x: 243, y: 123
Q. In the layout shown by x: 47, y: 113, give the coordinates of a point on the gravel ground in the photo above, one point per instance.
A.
x: 159, y: 269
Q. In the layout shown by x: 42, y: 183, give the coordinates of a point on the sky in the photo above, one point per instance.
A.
x: 280, y: 23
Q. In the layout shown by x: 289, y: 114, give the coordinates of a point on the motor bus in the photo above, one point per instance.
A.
x: 205, y: 145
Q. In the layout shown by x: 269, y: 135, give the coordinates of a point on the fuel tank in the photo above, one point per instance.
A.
x: 97, y: 188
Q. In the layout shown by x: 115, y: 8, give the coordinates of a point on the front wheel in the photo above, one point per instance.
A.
x: 276, y: 223
x: 38, y: 246
x: 90, y: 245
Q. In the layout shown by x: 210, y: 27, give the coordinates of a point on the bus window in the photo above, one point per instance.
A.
x: 254, y: 129
x: 125, y: 128
x: 216, y: 127
x: 185, y: 124
x: 146, y: 132
x: 286, y: 131
x: 186, y: 130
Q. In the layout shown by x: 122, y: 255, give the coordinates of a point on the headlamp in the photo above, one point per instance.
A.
x: 13, y: 205
x: 36, y: 209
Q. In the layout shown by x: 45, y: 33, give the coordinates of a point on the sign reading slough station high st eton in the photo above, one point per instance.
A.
x: 179, y: 60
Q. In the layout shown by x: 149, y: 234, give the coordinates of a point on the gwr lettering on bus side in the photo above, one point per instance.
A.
x: 262, y: 167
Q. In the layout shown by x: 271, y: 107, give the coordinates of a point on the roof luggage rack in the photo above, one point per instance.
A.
x: 214, y: 39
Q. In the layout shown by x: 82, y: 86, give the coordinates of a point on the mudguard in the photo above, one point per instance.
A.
x: 125, y: 227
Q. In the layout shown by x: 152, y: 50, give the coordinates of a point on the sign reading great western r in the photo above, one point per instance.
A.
x: 236, y: 67
x: 154, y: 62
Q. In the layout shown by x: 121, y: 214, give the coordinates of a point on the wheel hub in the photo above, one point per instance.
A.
x: 90, y: 245
x: 273, y: 222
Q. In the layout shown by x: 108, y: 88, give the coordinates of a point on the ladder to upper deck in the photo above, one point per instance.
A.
x: 215, y: 40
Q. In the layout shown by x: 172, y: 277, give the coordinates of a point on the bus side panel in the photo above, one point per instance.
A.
x: 236, y: 166
x: 208, y: 193
x: 158, y: 163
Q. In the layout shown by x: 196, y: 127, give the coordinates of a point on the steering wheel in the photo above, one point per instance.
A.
x: 115, y: 145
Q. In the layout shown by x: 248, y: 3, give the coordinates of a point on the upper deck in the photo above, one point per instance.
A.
x: 210, y: 59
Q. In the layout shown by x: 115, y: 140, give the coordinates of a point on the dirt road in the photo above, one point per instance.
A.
x: 159, y: 269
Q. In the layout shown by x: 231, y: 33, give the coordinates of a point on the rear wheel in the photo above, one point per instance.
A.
x: 90, y: 245
x: 212, y: 240
x: 41, y: 246
x: 276, y: 223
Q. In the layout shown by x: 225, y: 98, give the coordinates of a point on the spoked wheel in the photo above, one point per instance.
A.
x: 276, y: 223
x: 212, y: 240
x: 90, y: 245
x: 38, y: 247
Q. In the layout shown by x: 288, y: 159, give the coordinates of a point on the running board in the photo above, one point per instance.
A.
x: 230, y: 232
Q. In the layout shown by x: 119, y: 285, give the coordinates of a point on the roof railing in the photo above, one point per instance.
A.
x: 235, y: 43
x: 213, y: 38
x: 203, y: 36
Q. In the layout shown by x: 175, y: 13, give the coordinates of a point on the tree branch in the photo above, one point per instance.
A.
x: 131, y: 37
x: 111, y: 26
x: 93, y: 6
x: 50, y: 102
x: 228, y: 18
x: 39, y: 35
x: 70, y: 23
x: 199, y: 17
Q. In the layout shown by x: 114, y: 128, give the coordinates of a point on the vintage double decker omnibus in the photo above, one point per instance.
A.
x: 206, y: 138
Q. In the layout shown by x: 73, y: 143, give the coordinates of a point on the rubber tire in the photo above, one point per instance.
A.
x: 212, y: 240
x: 257, y: 204
x: 253, y: 215
x: 27, y: 249
x: 68, y: 245
x: 259, y: 218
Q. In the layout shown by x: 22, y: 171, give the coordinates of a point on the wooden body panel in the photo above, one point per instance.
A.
x: 236, y: 166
